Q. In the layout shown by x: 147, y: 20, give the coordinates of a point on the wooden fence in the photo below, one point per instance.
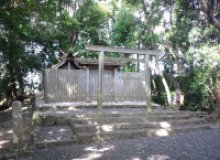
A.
x: 81, y: 85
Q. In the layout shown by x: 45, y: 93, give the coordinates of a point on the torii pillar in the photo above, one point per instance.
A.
x: 100, y: 83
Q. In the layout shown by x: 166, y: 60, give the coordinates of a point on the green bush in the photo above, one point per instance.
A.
x: 195, y: 87
x: 159, y: 94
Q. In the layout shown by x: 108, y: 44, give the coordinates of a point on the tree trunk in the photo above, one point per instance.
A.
x: 166, y: 87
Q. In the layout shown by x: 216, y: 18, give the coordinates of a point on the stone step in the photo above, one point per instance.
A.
x: 128, y: 119
x: 49, y: 136
x: 91, y: 127
x: 83, y: 105
x: 88, y: 137
x: 52, y: 136
x: 53, y: 143
x: 54, y: 118
x: 113, y: 112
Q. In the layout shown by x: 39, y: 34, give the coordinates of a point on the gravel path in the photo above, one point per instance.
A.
x: 201, y: 145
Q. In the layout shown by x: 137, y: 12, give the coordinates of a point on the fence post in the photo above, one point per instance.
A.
x: 100, y: 83
x: 17, y: 125
x: 148, y: 83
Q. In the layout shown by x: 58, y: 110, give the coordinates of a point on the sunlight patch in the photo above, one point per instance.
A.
x: 90, y: 156
x: 115, y: 112
x: 165, y: 125
x: 95, y: 149
x: 9, y: 131
x: 136, y: 158
x: 72, y: 108
x: 158, y: 157
x: 3, y: 142
x: 107, y: 127
x: 80, y: 116
x: 62, y: 130
x: 162, y: 132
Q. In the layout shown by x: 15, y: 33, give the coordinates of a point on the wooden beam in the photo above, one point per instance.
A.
x: 100, y: 83
x: 109, y: 60
x: 148, y: 84
x: 122, y: 50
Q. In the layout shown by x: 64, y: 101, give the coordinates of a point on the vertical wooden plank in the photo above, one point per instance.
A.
x: 48, y: 86
x: 104, y: 85
x: 53, y: 91
x: 125, y: 87
x: 83, y: 85
x: 77, y: 86
x: 148, y: 83
x: 143, y: 86
x: 117, y: 83
x: 59, y: 85
x: 114, y: 85
x: 86, y: 87
x: 130, y: 87
x: 92, y: 84
x: 62, y: 86
x: 65, y: 86
x: 68, y: 82
x: 120, y: 91
x: 51, y: 86
x: 73, y: 81
x: 73, y: 84
x: 122, y: 86
x: 137, y: 84
x: 81, y: 81
x: 45, y: 86
x: 100, y: 83
x: 43, y: 80
x: 95, y: 87
x: 54, y: 77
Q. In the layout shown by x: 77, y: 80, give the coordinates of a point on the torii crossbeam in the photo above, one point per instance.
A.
x: 146, y: 53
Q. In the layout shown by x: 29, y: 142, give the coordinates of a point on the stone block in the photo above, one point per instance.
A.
x: 49, y: 120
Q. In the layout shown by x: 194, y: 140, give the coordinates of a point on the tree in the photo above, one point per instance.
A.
x: 123, y: 29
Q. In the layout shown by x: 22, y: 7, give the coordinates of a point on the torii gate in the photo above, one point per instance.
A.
x: 147, y: 71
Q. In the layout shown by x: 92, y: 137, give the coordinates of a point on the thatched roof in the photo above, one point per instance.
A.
x: 68, y: 61
x: 79, y: 63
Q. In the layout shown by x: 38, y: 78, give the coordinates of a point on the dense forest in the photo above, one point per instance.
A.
x: 35, y: 33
